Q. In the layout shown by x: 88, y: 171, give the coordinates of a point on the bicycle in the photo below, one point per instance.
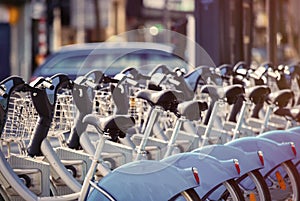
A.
x: 11, y: 177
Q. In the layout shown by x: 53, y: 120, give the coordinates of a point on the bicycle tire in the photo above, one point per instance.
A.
x: 233, y: 191
x: 188, y: 195
x: 293, y: 178
x: 261, y: 186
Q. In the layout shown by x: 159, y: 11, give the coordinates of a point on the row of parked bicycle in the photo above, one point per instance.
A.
x: 216, y: 133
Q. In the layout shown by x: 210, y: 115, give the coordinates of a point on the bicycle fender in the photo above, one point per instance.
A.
x: 248, y: 161
x: 274, y: 153
x: 145, y: 180
x: 212, y: 172
x: 282, y: 136
x: 294, y: 129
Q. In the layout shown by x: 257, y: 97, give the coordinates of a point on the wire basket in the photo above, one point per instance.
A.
x: 64, y: 114
x: 103, y: 104
x: 22, y: 118
x: 20, y: 121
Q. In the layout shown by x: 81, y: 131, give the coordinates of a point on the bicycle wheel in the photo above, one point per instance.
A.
x: 285, y: 182
x: 260, y: 191
x: 232, y: 192
x: 187, y: 195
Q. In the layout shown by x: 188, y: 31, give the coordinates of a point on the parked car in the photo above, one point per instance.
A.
x: 285, y: 55
x: 109, y: 57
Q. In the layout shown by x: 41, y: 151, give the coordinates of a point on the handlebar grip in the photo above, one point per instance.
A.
x: 3, y: 93
x: 173, y: 81
x: 112, y: 80
x: 47, y: 84
x: 273, y: 74
x: 107, y: 79
x: 254, y: 76
x: 91, y: 84
x: 132, y: 82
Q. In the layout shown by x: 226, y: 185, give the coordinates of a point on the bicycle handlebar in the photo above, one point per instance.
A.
x: 3, y: 93
x: 173, y: 81
x: 96, y: 74
x: 135, y: 74
x: 273, y: 74
x: 162, y: 69
x: 41, y: 83
x: 143, y: 77
x: 10, y: 84
x: 131, y: 82
x: 91, y: 84
x: 107, y: 79
x: 47, y: 84
x: 44, y: 104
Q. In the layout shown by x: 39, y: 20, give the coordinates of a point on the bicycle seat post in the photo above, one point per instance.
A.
x: 269, y: 111
x: 240, y: 121
x: 210, y: 123
x: 153, y: 116
x: 174, y: 135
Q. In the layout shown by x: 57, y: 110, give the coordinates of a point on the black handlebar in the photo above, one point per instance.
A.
x: 7, y: 87
x: 47, y: 84
x: 40, y: 83
x: 106, y: 79
x: 11, y: 83
x: 44, y: 102
x: 3, y: 93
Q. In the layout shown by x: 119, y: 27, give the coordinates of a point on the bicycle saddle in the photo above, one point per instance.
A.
x: 192, y: 109
x: 240, y: 68
x: 281, y: 98
x: 115, y: 126
x: 167, y: 99
x: 257, y: 94
x: 231, y: 93
x: 199, y: 75
x: 294, y: 112
x: 225, y: 71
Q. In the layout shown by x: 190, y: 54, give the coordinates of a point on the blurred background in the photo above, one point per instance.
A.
x: 229, y: 30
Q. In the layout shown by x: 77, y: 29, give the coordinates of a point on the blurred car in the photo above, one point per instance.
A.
x: 285, y: 55
x: 109, y: 57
